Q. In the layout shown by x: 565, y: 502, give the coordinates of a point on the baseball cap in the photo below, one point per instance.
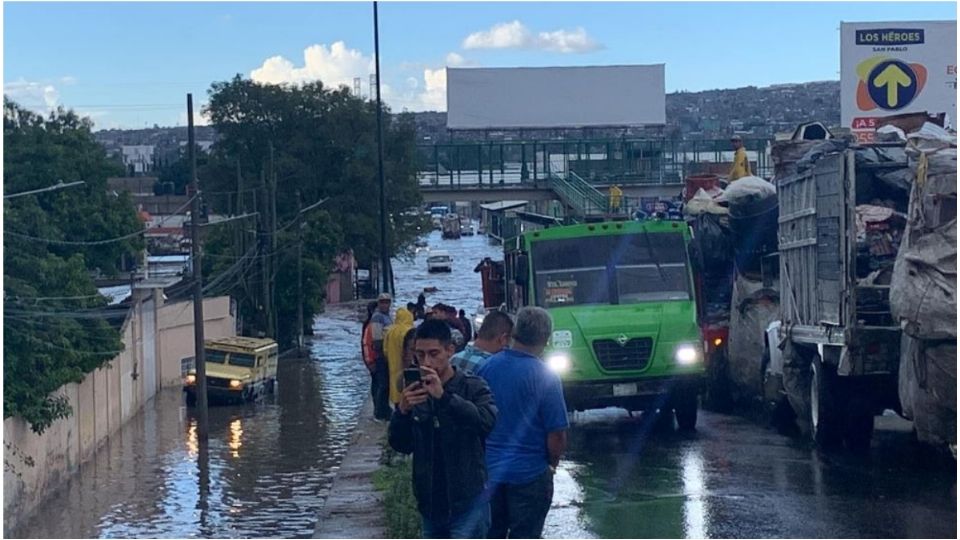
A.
x: 384, y: 296
x: 736, y: 138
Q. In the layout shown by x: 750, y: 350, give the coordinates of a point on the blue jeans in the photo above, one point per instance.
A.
x: 473, y: 523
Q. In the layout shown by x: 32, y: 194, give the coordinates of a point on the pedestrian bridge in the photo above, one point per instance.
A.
x: 492, y: 171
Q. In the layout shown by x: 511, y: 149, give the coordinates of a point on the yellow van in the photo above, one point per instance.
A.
x: 238, y: 368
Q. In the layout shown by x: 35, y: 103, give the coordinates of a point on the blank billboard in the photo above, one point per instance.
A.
x: 555, y: 97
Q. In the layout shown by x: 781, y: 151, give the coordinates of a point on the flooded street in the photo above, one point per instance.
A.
x: 271, y: 463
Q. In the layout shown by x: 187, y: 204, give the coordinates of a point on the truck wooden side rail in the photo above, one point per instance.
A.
x: 841, y: 347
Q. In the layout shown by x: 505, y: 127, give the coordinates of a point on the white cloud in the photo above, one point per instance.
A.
x: 36, y: 96
x: 454, y: 60
x: 515, y: 35
x: 68, y: 80
x: 334, y: 66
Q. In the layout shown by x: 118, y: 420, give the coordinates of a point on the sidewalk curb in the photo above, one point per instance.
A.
x: 354, y: 507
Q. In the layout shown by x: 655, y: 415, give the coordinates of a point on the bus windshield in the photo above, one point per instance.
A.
x: 614, y: 269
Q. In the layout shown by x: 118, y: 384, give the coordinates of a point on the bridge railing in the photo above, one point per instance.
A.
x: 600, y: 162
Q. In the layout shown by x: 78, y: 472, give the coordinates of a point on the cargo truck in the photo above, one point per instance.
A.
x: 840, y: 345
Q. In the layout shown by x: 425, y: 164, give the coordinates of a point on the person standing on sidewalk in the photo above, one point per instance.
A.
x: 367, y: 349
x: 378, y: 326
x: 492, y: 337
x: 443, y: 421
x: 393, y: 347
x: 524, y: 448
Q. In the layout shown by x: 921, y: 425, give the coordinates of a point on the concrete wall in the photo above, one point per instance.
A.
x: 35, y: 465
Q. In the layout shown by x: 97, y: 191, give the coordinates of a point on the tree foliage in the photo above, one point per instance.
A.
x: 321, y: 142
x: 52, y: 332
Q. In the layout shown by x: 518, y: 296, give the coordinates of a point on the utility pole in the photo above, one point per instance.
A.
x: 196, y: 263
x: 384, y: 257
x: 265, y: 254
x: 300, y: 225
x: 273, y: 244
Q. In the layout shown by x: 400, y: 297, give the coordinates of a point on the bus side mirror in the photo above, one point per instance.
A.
x: 523, y: 270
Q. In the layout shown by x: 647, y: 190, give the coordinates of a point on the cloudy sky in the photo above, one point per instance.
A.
x: 130, y: 64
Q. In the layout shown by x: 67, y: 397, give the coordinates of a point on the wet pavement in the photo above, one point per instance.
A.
x: 632, y: 478
x: 271, y: 463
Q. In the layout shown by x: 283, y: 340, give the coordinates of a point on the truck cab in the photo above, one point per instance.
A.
x: 238, y: 369
x: 622, y: 301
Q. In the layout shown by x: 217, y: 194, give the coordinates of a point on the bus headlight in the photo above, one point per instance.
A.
x: 686, y: 355
x: 235, y: 384
x: 191, y: 379
x: 558, y: 363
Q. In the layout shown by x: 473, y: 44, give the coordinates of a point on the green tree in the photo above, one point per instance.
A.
x: 56, y: 327
x: 319, y: 141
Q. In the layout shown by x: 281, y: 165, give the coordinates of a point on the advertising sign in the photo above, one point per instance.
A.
x: 555, y: 97
x: 891, y: 68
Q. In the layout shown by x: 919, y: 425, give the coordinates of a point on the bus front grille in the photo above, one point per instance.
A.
x: 632, y: 355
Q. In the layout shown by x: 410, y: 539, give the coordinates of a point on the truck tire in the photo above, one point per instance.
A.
x: 826, y: 413
x: 685, y: 409
x: 718, y: 396
x: 859, y: 426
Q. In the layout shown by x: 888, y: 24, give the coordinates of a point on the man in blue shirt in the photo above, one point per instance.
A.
x: 525, y: 446
x: 493, y: 337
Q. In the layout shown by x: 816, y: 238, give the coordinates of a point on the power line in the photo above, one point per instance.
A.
x: 56, y: 187
x: 100, y: 242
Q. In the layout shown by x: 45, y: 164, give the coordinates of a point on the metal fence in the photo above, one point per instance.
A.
x: 598, y: 161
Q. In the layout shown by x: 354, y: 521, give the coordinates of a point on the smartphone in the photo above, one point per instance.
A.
x: 410, y: 376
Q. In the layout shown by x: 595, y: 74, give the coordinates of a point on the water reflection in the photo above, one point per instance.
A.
x: 266, y: 466
x: 694, y: 490
x: 236, y: 431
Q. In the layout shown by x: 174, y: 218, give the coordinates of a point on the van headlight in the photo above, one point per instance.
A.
x: 191, y: 379
x: 235, y: 384
x: 687, y: 355
x: 559, y: 363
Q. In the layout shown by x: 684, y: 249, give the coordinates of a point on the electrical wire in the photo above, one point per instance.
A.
x: 100, y: 242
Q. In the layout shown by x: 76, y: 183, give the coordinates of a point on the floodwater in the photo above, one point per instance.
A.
x: 269, y: 464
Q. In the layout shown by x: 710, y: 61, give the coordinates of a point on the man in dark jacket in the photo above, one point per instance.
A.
x: 443, y: 421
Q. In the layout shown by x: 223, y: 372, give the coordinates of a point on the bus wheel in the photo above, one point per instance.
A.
x: 685, y: 408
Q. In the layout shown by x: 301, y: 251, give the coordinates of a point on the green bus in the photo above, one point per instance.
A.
x: 621, y: 295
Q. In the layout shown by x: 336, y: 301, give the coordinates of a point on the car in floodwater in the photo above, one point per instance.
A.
x: 238, y: 369
x: 439, y: 261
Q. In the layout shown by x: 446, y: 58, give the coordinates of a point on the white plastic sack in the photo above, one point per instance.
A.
x: 704, y: 203
x: 752, y: 309
x: 748, y: 189
x: 928, y: 389
x: 923, y: 289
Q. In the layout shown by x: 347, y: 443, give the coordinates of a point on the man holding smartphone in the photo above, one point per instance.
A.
x: 443, y: 420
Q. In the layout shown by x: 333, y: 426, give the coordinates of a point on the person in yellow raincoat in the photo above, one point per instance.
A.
x: 393, y: 348
x: 616, y: 197
x: 741, y: 165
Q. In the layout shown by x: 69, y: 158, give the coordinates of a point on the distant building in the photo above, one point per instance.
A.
x: 138, y: 159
